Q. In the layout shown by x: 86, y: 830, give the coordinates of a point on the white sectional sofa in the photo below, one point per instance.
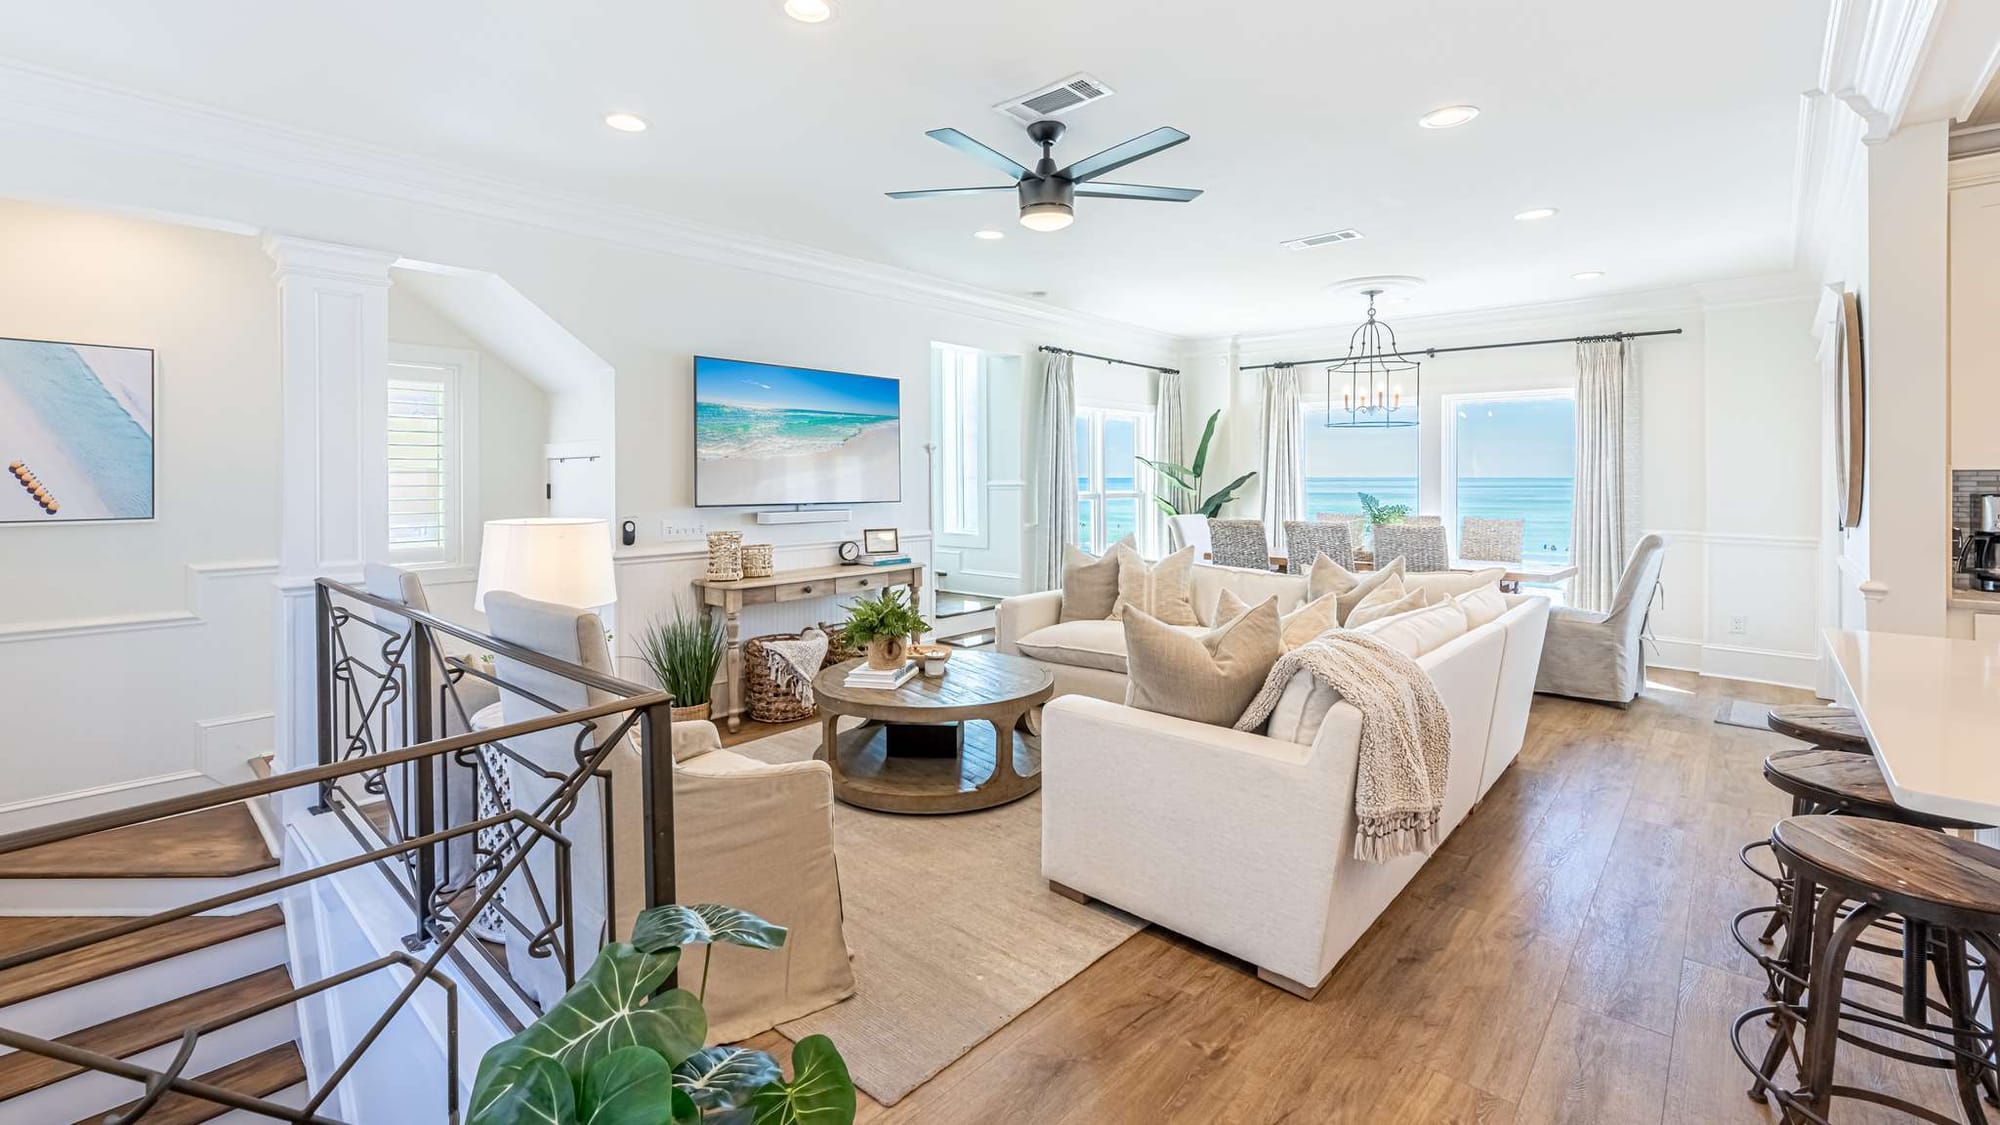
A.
x: 1244, y: 841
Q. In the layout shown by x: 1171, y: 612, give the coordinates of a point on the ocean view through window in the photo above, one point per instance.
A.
x: 1513, y: 456
x: 1342, y: 463
x: 1111, y: 502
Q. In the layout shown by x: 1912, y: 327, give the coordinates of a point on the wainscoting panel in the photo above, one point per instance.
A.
x: 1716, y: 582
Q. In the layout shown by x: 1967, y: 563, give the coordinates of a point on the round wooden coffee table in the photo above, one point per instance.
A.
x: 892, y: 761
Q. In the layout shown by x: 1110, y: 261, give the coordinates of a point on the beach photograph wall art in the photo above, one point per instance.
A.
x: 766, y: 434
x: 76, y: 432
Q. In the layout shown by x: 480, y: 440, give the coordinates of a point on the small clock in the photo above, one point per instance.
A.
x: 850, y: 551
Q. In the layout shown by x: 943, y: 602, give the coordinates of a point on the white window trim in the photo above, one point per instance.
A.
x: 979, y: 537
x: 1142, y: 443
x: 459, y: 368
x: 1448, y: 454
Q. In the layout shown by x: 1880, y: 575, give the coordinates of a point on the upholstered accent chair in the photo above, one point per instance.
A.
x: 1189, y: 531
x: 1305, y: 542
x: 1491, y: 540
x: 1421, y: 546
x: 746, y: 833
x: 1602, y: 656
x: 1239, y: 543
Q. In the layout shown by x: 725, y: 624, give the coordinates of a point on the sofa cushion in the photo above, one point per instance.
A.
x: 1301, y: 708
x: 1206, y: 677
x: 1160, y: 589
x: 1454, y: 582
x: 1090, y: 585
x: 1385, y: 600
x: 1482, y: 606
x: 1080, y: 644
x: 1294, y: 628
x: 1252, y: 586
x: 1352, y: 586
x: 1417, y: 633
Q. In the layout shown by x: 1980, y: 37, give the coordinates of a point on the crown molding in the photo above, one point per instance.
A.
x: 36, y: 98
x: 1871, y: 56
x: 1764, y: 289
x: 1971, y: 171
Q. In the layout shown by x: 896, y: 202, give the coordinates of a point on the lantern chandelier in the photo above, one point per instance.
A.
x: 1377, y: 377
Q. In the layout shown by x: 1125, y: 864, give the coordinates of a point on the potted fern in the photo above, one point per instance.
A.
x: 684, y: 654
x: 884, y: 625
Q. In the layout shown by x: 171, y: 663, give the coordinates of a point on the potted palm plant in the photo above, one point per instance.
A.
x: 884, y: 625
x: 683, y: 655
x: 1180, y: 495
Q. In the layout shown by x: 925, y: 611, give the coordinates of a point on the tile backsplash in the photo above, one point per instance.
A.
x: 1966, y: 484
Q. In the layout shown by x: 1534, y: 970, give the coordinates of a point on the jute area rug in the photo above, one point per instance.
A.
x: 953, y: 930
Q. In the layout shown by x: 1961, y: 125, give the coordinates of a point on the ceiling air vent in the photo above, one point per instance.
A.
x: 1347, y: 234
x: 1056, y: 100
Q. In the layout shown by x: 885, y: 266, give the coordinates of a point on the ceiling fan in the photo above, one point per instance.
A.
x: 1048, y: 194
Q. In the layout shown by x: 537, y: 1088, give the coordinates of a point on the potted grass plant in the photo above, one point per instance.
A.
x: 684, y: 654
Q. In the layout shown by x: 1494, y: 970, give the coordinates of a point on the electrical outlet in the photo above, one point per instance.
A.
x: 671, y: 530
x: 1739, y: 625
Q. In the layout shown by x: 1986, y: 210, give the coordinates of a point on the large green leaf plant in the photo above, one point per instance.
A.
x: 623, y: 1049
x: 1182, y: 495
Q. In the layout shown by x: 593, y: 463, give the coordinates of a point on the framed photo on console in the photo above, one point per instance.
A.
x: 880, y: 541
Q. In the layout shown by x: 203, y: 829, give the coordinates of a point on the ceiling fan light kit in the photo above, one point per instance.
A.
x: 1047, y: 193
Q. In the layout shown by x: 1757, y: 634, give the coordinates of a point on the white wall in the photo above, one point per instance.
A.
x: 136, y: 656
x: 1730, y: 446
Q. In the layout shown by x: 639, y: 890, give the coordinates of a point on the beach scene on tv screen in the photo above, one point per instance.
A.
x: 76, y: 432
x: 792, y: 435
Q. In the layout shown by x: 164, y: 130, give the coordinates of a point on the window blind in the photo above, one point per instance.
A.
x: 418, y: 469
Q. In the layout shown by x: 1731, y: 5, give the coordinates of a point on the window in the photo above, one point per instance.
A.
x: 1341, y: 462
x: 1513, y: 456
x: 960, y: 413
x: 431, y: 445
x: 1111, y: 502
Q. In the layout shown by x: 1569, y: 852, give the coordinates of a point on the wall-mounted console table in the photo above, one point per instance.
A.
x: 729, y: 598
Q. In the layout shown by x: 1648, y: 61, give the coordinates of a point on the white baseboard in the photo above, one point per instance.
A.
x: 54, y: 808
x: 1735, y: 662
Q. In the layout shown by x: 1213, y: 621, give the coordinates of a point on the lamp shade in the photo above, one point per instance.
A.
x: 566, y: 561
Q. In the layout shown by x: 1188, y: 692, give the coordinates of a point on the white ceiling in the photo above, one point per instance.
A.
x: 1664, y: 132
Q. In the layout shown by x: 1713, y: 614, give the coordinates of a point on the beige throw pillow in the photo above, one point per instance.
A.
x: 1482, y: 606
x: 1163, y: 589
x: 1451, y: 583
x: 1328, y: 576
x: 1295, y: 628
x: 1386, y: 600
x: 1090, y: 584
x: 1206, y: 677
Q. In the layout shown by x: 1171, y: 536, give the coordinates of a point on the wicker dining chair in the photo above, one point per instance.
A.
x: 1491, y: 540
x: 1305, y: 542
x: 1239, y: 543
x: 1425, y: 521
x: 1421, y: 546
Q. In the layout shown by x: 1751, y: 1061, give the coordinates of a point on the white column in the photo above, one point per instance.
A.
x: 333, y: 310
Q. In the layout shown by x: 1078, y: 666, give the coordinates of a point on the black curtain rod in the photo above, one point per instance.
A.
x: 1108, y: 359
x: 1431, y: 352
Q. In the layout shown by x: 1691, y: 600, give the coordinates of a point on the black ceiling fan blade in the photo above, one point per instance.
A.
x: 1138, y: 191
x: 1118, y: 156
x: 978, y: 151
x: 929, y: 192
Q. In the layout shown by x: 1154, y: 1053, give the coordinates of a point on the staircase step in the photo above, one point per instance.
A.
x: 958, y: 605
x: 116, y: 955
x: 213, y: 843
x: 260, y: 1076
x: 24, y: 1071
x: 969, y: 640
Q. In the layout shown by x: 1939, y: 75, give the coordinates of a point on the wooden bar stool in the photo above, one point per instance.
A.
x: 1856, y: 872
x: 1828, y: 728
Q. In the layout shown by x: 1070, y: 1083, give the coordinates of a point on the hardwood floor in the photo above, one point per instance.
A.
x: 210, y: 844
x: 1564, y: 958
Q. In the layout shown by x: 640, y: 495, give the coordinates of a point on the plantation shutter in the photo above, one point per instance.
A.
x: 418, y: 481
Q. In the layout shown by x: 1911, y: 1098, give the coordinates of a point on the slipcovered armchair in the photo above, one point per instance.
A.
x: 1602, y: 656
x: 746, y: 834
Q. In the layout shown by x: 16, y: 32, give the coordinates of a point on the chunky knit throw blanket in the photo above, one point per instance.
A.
x: 1405, y: 759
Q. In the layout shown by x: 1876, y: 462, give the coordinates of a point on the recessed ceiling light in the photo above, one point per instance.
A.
x: 626, y: 122
x: 1588, y: 275
x: 1448, y: 117
x: 808, y: 11
x: 989, y: 235
x: 1535, y: 214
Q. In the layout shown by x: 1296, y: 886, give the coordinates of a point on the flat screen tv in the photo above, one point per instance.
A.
x: 765, y: 434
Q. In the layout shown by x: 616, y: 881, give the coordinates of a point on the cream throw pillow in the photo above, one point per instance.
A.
x: 1482, y: 606
x: 1295, y: 628
x: 1415, y: 634
x: 1452, y: 583
x: 1163, y: 589
x: 1206, y: 677
x: 1386, y: 600
x: 1328, y: 576
x: 1090, y: 584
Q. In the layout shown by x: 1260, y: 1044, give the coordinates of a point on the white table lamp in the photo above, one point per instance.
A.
x: 566, y: 561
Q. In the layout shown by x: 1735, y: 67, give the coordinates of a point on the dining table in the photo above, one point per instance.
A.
x: 1930, y: 707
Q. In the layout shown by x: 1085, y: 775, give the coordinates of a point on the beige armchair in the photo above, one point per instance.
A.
x: 747, y: 834
x: 1602, y: 656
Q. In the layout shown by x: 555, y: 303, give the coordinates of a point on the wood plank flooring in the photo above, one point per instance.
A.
x: 1564, y: 958
x: 113, y: 955
x: 213, y: 843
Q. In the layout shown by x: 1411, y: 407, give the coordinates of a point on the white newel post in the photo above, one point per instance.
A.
x: 333, y: 310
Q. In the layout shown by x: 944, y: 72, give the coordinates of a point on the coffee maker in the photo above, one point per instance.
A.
x: 1979, y: 556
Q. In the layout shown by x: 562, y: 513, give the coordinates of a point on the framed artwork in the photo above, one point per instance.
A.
x: 76, y: 432
x: 1853, y: 392
x: 880, y: 540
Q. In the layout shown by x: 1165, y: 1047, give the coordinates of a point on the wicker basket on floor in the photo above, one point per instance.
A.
x: 837, y: 649
x: 770, y: 699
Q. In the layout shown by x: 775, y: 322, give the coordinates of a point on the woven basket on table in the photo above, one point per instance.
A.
x: 771, y: 701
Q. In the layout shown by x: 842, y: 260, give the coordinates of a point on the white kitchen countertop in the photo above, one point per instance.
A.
x: 1931, y: 707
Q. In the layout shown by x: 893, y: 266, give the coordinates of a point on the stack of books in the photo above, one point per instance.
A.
x: 862, y: 676
x: 883, y: 560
